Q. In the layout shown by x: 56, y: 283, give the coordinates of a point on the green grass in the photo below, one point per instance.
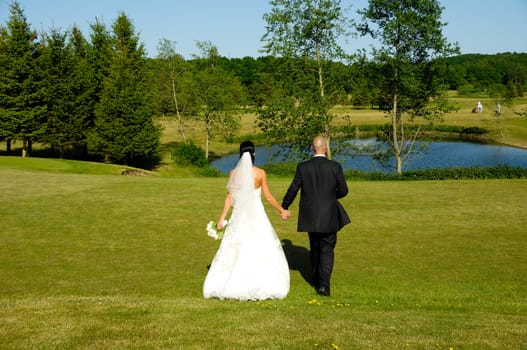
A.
x: 90, y: 260
x: 62, y: 166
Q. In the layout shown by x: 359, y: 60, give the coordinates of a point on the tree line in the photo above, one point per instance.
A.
x: 75, y: 95
x: 469, y: 74
x: 502, y: 75
x: 96, y: 97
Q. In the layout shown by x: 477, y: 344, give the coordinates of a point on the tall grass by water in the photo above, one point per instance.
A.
x: 94, y: 260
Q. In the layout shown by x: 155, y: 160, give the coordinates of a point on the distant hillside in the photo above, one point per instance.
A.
x: 506, y: 73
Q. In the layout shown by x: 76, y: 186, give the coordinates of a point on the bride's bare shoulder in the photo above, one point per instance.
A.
x: 259, y: 176
x: 258, y: 171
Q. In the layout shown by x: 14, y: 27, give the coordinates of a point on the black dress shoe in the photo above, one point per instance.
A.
x: 324, y: 291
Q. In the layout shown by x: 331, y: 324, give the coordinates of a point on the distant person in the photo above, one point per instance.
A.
x: 480, y: 107
x: 250, y: 263
x: 321, y: 183
x: 498, y: 110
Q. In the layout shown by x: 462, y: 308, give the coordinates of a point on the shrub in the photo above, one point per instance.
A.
x: 474, y: 130
x: 189, y: 154
x: 447, y: 128
x: 496, y: 172
x: 287, y: 169
x: 209, y: 172
x: 465, y: 90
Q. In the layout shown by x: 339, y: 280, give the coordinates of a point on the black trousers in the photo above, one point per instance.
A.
x: 322, y: 247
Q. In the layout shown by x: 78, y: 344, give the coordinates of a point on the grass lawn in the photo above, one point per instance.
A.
x: 93, y: 260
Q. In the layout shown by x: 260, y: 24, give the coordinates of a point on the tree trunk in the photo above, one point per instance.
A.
x: 8, y: 146
x: 176, y: 105
x: 320, y: 73
x: 328, y: 138
x: 395, y: 138
x: 24, y: 147
x: 207, y: 145
x: 399, y: 163
x: 322, y: 95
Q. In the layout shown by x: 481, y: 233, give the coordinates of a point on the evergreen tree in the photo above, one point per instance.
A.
x: 83, y: 87
x: 4, y: 134
x: 124, y: 128
x: 63, y: 128
x: 22, y: 109
x: 99, y: 57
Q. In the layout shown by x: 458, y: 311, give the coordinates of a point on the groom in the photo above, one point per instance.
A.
x: 321, y: 183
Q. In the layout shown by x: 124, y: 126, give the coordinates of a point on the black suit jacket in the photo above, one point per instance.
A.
x: 321, y: 183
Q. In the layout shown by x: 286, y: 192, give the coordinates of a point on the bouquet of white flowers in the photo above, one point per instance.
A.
x: 214, y: 232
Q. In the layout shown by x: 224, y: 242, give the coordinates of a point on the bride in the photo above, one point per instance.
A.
x: 250, y: 263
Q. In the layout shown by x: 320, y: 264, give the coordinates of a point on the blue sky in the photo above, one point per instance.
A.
x: 235, y: 27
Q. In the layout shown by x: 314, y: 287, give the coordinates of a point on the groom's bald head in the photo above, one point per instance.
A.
x: 320, y: 145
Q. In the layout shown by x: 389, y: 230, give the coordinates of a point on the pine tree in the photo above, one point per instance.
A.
x: 22, y: 109
x: 63, y: 127
x: 124, y: 128
x: 83, y: 87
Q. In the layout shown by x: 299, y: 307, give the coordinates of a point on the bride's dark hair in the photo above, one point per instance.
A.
x: 247, y: 146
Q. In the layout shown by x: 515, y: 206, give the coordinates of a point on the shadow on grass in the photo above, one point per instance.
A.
x: 298, y: 259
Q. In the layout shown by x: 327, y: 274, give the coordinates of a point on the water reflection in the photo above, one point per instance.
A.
x: 443, y: 154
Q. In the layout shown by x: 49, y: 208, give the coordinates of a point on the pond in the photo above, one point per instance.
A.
x: 439, y: 154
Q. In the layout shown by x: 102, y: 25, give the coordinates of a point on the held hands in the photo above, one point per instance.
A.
x: 285, y: 214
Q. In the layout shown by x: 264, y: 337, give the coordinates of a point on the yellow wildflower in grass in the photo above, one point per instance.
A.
x: 335, y: 346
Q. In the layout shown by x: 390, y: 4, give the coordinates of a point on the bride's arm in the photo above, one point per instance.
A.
x: 268, y: 195
x: 225, y: 211
x: 226, y: 206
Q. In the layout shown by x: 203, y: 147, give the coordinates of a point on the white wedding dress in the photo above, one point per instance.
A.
x: 250, y: 263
